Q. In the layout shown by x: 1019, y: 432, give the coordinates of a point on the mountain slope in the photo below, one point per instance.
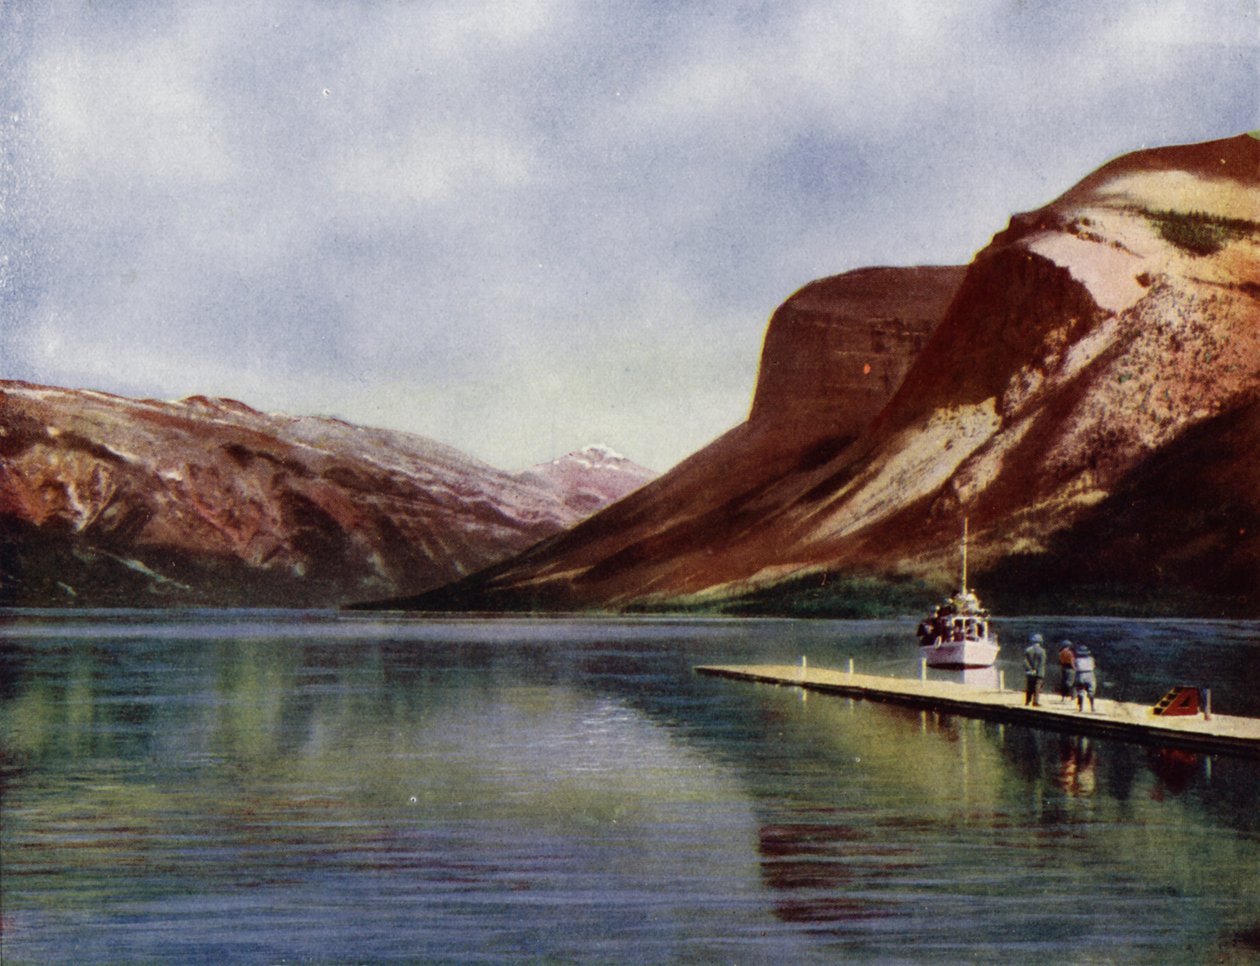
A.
x: 106, y: 500
x: 1091, y: 342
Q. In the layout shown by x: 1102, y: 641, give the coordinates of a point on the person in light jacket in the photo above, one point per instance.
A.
x: 1086, y: 676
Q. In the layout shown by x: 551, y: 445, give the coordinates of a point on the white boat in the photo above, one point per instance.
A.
x: 958, y: 633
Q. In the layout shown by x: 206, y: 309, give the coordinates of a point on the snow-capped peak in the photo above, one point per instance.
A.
x: 600, y: 452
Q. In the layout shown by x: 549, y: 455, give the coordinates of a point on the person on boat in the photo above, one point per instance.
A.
x: 940, y: 626
x: 931, y: 629
x: 1086, y: 676
x: 1034, y: 669
x: 1067, y: 671
x: 927, y: 632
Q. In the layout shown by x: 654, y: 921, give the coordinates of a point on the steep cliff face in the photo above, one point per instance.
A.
x: 207, y: 501
x: 837, y: 350
x: 1087, y: 346
x: 1088, y: 338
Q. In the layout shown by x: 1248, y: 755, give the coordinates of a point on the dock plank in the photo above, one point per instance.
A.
x: 1118, y: 719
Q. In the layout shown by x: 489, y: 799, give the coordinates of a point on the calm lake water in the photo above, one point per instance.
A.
x: 227, y: 786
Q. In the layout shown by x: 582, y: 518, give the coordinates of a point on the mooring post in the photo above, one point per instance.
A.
x: 804, y: 664
x: 1207, y: 704
x: 1001, y: 680
x: 923, y: 669
x: 850, y: 665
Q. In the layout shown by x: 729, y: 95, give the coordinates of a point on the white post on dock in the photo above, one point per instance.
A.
x: 1001, y: 680
x: 850, y: 665
x: 1207, y: 704
x: 923, y: 669
x: 804, y: 665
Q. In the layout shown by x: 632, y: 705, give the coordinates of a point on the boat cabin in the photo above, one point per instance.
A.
x: 966, y: 627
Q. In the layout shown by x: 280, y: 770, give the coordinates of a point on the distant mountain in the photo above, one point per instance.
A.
x: 113, y: 501
x: 590, y: 478
x: 1088, y: 400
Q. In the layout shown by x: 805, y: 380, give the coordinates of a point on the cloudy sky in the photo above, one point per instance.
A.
x: 523, y: 227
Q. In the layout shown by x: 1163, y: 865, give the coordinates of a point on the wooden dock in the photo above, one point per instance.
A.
x: 1215, y: 733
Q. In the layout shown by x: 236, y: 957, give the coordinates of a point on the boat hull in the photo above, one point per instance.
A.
x: 959, y: 654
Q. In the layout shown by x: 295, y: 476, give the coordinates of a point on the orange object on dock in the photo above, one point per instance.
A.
x: 1181, y: 700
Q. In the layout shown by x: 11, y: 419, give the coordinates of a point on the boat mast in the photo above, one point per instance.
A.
x: 963, y: 588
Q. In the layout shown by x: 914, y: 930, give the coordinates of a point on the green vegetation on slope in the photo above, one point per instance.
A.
x: 854, y: 596
x: 1198, y: 232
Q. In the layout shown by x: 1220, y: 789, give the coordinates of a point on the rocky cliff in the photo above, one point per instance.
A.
x: 1088, y: 401
x: 106, y: 500
x: 837, y: 350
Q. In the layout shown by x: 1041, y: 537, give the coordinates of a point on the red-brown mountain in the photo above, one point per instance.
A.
x: 1090, y: 400
x: 106, y: 500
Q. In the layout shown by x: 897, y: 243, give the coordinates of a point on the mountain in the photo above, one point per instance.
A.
x: 590, y: 478
x: 1088, y: 400
x: 113, y: 501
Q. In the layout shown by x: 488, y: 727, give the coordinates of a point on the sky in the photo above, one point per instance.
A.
x: 521, y: 228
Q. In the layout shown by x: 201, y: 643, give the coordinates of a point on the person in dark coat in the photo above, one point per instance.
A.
x: 1034, y: 670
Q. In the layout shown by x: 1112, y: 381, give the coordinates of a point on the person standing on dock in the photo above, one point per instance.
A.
x: 1067, y: 671
x: 1086, y: 676
x: 1034, y: 670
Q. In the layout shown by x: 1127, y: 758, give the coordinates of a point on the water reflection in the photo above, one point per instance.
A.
x: 571, y: 791
x: 1176, y: 769
x: 989, y: 678
x: 934, y: 819
x: 345, y: 791
x: 1076, y: 765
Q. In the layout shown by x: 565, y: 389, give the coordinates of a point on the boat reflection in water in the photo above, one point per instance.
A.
x: 986, y: 678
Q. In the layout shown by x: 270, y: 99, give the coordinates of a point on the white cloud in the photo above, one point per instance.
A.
x: 477, y: 209
x: 139, y: 113
x: 1178, y: 23
x: 432, y: 166
x: 858, y: 68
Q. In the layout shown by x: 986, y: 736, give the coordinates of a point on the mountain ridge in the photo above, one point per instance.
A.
x: 1085, y: 340
x: 205, y: 500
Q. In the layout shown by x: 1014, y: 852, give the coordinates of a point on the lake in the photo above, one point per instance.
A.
x: 245, y: 786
